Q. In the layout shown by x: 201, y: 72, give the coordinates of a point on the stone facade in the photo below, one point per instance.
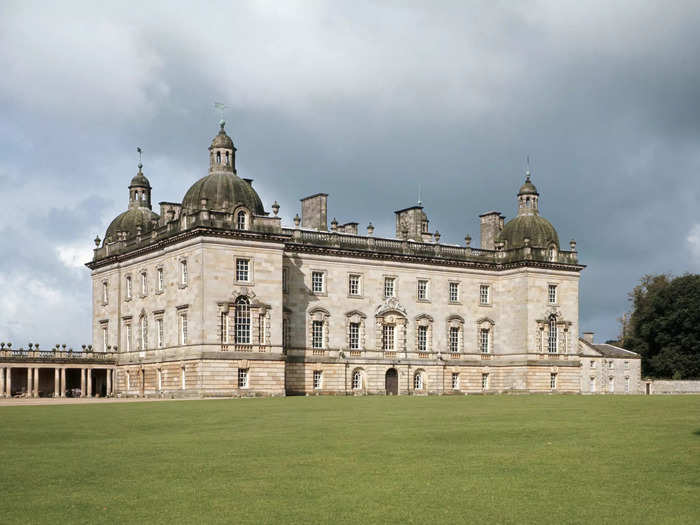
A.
x: 215, y: 297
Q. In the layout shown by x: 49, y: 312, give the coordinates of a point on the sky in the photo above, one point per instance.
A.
x: 370, y: 102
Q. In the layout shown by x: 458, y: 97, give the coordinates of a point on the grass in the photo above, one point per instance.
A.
x: 495, y: 459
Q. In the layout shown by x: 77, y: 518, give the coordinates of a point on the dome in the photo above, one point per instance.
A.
x: 538, y: 229
x: 224, y: 191
x: 139, y: 180
x: 222, y: 140
x: 528, y: 188
x: 129, y: 221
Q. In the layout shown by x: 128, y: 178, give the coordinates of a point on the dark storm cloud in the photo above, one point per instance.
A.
x: 371, y: 103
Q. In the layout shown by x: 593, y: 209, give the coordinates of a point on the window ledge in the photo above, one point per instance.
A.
x: 488, y: 305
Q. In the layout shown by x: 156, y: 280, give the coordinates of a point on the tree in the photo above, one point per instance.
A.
x: 664, y: 325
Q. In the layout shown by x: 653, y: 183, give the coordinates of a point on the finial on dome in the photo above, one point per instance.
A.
x: 222, y: 124
x: 527, y: 170
x: 139, y: 151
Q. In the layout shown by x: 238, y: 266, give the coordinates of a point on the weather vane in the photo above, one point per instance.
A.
x: 140, y: 151
x: 221, y: 107
x: 527, y: 172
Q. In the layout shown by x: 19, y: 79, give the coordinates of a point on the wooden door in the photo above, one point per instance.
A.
x: 392, y: 382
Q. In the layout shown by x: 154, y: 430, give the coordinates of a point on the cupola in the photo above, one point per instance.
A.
x: 222, y: 152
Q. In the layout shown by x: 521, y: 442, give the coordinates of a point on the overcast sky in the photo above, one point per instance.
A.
x: 365, y: 101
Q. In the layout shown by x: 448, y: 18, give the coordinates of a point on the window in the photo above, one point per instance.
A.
x: 317, y: 379
x: 611, y: 365
x: 455, y: 381
x: 484, y: 381
x: 611, y: 384
x: 552, y: 381
x: 454, y: 339
x: 317, y: 334
x: 592, y: 364
x: 242, y: 320
x: 627, y: 365
x: 261, y: 329
x: 241, y: 220
x: 552, y: 340
x: 484, y: 294
x: 128, y: 287
x: 285, y: 272
x: 159, y: 279
x: 454, y: 292
x: 242, y: 378
x: 144, y: 287
x: 353, y: 284
x: 356, y: 380
x: 183, y: 328
x: 552, y: 293
x: 592, y: 384
x: 242, y: 270
x: 418, y: 381
x: 422, y: 290
x: 627, y: 385
x: 317, y: 282
x: 224, y: 328
x: 143, y: 333
x: 159, y: 332
x: 422, y: 338
x: 354, y: 336
x: 127, y: 335
x: 484, y: 340
x: 388, y: 337
x: 105, y: 337
x: 105, y: 295
x: 183, y: 273
x: 389, y: 288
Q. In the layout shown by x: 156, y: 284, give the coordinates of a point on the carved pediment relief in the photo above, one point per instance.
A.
x: 390, y: 304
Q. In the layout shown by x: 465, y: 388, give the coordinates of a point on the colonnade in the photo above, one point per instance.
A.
x: 59, y: 383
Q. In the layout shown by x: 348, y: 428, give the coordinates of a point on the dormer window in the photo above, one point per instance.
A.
x: 241, y: 220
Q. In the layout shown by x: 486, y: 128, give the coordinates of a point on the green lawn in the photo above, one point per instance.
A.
x: 487, y: 459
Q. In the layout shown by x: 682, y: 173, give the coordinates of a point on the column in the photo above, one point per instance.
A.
x: 63, y: 382
x: 36, y: 383
x: 109, y: 381
x: 82, y: 382
x: 56, y: 382
x: 29, y: 381
x: 2, y: 381
x: 8, y: 382
x: 89, y: 382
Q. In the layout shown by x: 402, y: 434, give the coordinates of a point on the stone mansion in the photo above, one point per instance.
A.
x: 213, y: 296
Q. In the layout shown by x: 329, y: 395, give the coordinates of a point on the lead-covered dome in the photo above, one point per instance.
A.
x: 129, y: 222
x: 139, y: 213
x: 534, y: 227
x: 528, y: 224
x: 222, y: 190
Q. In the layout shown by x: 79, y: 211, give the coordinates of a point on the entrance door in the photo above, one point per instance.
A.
x: 392, y: 382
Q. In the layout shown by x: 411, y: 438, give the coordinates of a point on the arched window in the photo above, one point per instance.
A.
x: 218, y: 157
x: 552, y: 342
x: 241, y: 220
x: 418, y: 381
x: 242, y: 320
x: 357, y: 380
x: 143, y: 333
x: 228, y: 162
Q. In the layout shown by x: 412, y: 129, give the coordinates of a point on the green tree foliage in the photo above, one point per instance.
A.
x: 664, y: 326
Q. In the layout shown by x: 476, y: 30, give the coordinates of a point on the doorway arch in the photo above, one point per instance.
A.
x: 391, y: 382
